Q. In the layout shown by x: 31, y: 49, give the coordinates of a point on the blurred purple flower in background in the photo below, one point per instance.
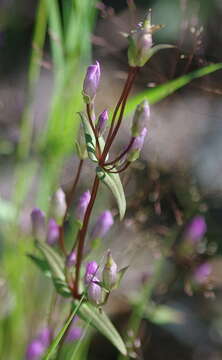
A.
x: 38, y: 221
x: 202, y: 273
x: 103, y: 224
x: 82, y: 205
x: 53, y: 232
x: 38, y: 346
x: 196, y: 229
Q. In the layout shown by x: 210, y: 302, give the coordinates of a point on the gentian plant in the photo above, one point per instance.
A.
x: 88, y: 285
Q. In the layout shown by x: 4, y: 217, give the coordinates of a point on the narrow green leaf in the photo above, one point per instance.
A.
x: 42, y: 264
x: 103, y: 324
x: 61, y: 333
x: 161, y: 91
x: 113, y: 182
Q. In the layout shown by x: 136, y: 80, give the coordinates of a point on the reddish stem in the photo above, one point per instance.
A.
x: 121, y: 170
x: 82, y: 234
x: 122, y: 154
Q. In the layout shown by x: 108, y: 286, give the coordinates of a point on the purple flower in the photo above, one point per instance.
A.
x: 94, y: 292
x: 71, y: 259
x: 196, y: 229
x: 91, y: 270
x: 103, y: 224
x: 91, y: 82
x: 140, y: 119
x: 59, y: 206
x: 53, y: 232
x: 202, y: 273
x: 35, y: 350
x: 82, y: 205
x: 38, y: 224
x: 110, y: 272
x: 74, y: 334
x: 101, y: 124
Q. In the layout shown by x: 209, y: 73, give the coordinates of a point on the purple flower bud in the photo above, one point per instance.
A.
x: 82, y: 205
x: 53, y: 232
x: 91, y: 271
x: 140, y: 43
x: 38, y: 224
x: 196, y: 229
x: 103, y: 224
x: 74, y: 334
x: 91, y: 82
x: 45, y: 336
x: 35, y: 350
x: 110, y: 272
x: 71, y: 259
x: 101, y: 124
x: 59, y: 206
x: 202, y: 273
x: 135, y: 149
x: 94, y: 292
x: 140, y: 119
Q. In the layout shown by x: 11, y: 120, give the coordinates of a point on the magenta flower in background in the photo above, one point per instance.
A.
x: 74, y: 334
x: 196, y: 229
x: 53, y: 232
x: 91, y: 271
x: 35, y: 350
x: 82, y: 205
x: 103, y: 224
x: 91, y: 82
x: 202, y: 273
x: 38, y: 221
x: 45, y: 336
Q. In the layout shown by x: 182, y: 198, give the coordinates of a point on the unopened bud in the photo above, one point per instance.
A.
x: 71, y: 259
x: 110, y: 272
x: 140, y: 119
x: 82, y: 205
x: 91, y: 271
x: 53, y: 232
x: 140, y: 42
x: 135, y: 149
x: 59, y: 206
x: 91, y: 82
x: 101, y: 124
x: 103, y: 224
x: 38, y: 224
x: 94, y: 292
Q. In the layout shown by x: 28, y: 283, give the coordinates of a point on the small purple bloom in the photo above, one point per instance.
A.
x: 202, y: 273
x: 53, y: 232
x: 35, y: 350
x: 91, y: 271
x: 101, y: 124
x: 38, y: 224
x: 71, y: 259
x: 196, y: 229
x: 110, y: 272
x: 103, y: 224
x: 137, y: 145
x: 74, y: 334
x: 94, y: 292
x: 82, y: 205
x: 91, y: 82
x: 140, y: 119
